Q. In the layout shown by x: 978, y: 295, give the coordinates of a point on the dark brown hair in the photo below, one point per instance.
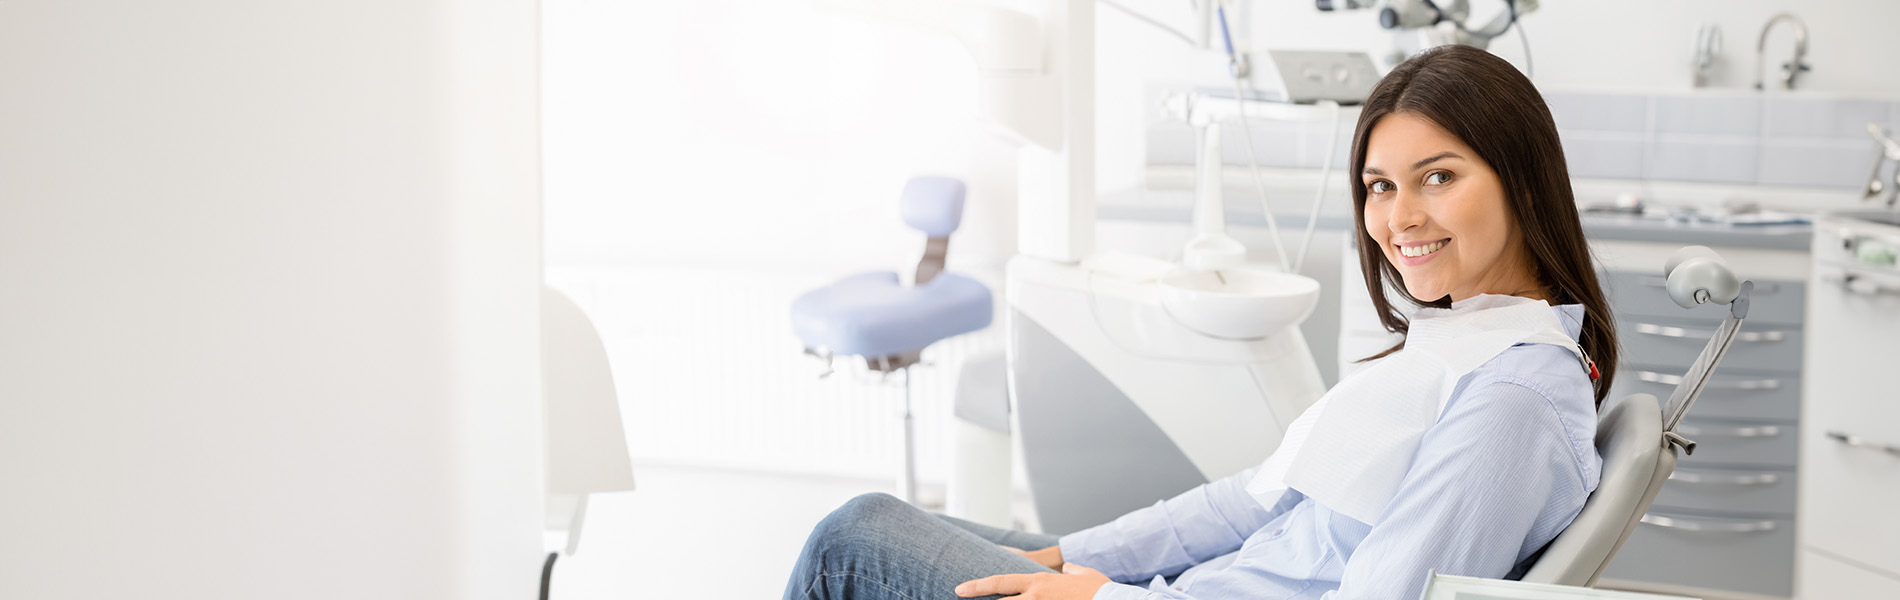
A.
x: 1484, y: 102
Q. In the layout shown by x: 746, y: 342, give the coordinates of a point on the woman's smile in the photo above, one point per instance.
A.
x: 1412, y: 254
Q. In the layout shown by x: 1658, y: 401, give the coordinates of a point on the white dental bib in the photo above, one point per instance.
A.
x: 1352, y: 448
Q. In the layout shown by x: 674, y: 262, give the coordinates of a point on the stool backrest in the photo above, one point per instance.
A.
x: 933, y: 205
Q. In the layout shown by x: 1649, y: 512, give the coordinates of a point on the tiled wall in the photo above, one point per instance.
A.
x: 1721, y: 138
x: 1778, y: 140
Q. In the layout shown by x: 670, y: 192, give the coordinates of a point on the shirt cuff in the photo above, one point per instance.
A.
x: 1094, y: 548
x: 1122, y: 591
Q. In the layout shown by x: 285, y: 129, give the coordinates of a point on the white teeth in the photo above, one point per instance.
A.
x: 1417, y: 251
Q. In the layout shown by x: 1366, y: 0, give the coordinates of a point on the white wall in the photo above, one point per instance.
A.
x: 755, y: 134
x: 269, y: 290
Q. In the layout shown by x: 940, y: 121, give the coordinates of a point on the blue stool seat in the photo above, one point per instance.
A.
x: 873, y: 315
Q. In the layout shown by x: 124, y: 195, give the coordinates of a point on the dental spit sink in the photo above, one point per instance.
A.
x: 1238, y: 304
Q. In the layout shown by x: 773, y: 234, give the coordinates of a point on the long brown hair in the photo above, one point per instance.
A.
x: 1486, y: 103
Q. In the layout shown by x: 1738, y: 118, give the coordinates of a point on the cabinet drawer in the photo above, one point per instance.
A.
x: 1745, y: 555
x: 1642, y: 294
x: 1748, y: 491
x: 1736, y: 443
x: 1731, y: 393
x: 1823, y: 577
x: 1848, y: 496
x: 1676, y: 343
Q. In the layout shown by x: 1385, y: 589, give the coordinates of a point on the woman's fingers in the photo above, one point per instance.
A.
x: 1016, y: 550
x: 1005, y: 585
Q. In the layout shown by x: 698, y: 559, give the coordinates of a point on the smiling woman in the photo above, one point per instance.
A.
x: 1465, y: 454
x: 1462, y: 190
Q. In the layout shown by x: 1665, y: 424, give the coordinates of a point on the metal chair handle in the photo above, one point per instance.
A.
x: 1746, y: 384
x: 1749, y: 479
x: 1708, y: 526
x: 1857, y: 442
x: 1678, y: 332
x: 1759, y: 431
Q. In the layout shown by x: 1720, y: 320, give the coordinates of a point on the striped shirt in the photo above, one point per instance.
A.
x: 1505, y: 469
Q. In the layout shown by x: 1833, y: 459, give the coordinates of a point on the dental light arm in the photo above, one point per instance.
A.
x: 1402, y: 16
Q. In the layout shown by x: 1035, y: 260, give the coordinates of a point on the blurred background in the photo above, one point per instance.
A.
x: 271, y: 275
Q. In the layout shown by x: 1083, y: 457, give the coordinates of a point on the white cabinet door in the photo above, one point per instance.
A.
x: 1848, y: 492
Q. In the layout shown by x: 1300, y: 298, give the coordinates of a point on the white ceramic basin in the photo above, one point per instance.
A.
x: 1239, y: 304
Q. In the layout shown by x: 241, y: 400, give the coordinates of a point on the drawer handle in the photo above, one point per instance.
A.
x: 1761, y: 287
x: 1752, y: 479
x: 1759, y: 431
x: 1856, y: 442
x: 1746, y: 384
x: 1857, y: 283
x: 1678, y: 332
x: 1688, y: 525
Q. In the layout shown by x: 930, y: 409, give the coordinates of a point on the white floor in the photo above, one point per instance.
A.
x: 699, y: 533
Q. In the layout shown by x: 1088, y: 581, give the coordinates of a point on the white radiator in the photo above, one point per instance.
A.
x: 709, y: 374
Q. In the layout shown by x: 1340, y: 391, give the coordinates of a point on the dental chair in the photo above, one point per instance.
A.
x: 1637, y: 438
x: 876, y: 317
x: 586, y: 447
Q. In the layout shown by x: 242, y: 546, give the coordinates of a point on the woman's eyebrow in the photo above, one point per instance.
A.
x: 1435, y: 158
x: 1417, y: 165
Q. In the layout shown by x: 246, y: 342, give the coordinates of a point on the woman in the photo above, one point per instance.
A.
x: 1463, y: 199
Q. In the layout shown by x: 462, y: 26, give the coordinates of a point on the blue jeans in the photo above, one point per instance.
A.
x: 877, y: 547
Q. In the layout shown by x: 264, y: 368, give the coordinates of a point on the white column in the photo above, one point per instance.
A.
x: 269, y: 282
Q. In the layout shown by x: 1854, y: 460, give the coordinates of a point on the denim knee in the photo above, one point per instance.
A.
x: 862, y: 525
x: 859, y: 516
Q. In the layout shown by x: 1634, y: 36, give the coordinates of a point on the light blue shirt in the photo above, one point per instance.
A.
x: 1506, y: 468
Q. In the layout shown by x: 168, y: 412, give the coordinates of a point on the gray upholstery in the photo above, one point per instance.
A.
x: 1636, y: 463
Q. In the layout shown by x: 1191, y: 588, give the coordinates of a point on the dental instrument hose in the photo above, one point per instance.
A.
x: 1240, y: 101
x: 1253, y: 163
x: 1325, y: 175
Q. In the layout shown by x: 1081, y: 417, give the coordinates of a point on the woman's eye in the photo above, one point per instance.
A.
x: 1380, y: 186
x: 1437, y: 178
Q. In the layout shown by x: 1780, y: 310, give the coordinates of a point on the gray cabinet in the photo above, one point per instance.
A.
x: 1726, y: 518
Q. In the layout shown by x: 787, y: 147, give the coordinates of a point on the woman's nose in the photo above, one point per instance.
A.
x: 1408, y: 211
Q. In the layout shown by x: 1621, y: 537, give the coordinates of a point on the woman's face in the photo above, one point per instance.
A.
x: 1439, y: 214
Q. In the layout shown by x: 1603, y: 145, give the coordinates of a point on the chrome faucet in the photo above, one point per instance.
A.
x: 1791, y: 69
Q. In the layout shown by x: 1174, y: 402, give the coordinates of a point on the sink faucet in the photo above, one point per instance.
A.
x: 1791, y: 69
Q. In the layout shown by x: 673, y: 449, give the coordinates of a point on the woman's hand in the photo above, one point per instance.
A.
x: 1075, y: 583
x: 1049, y: 557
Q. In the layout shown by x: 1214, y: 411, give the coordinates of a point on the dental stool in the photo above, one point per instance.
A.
x: 876, y: 317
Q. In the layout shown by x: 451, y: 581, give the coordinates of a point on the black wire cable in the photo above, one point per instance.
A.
x: 547, y: 573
